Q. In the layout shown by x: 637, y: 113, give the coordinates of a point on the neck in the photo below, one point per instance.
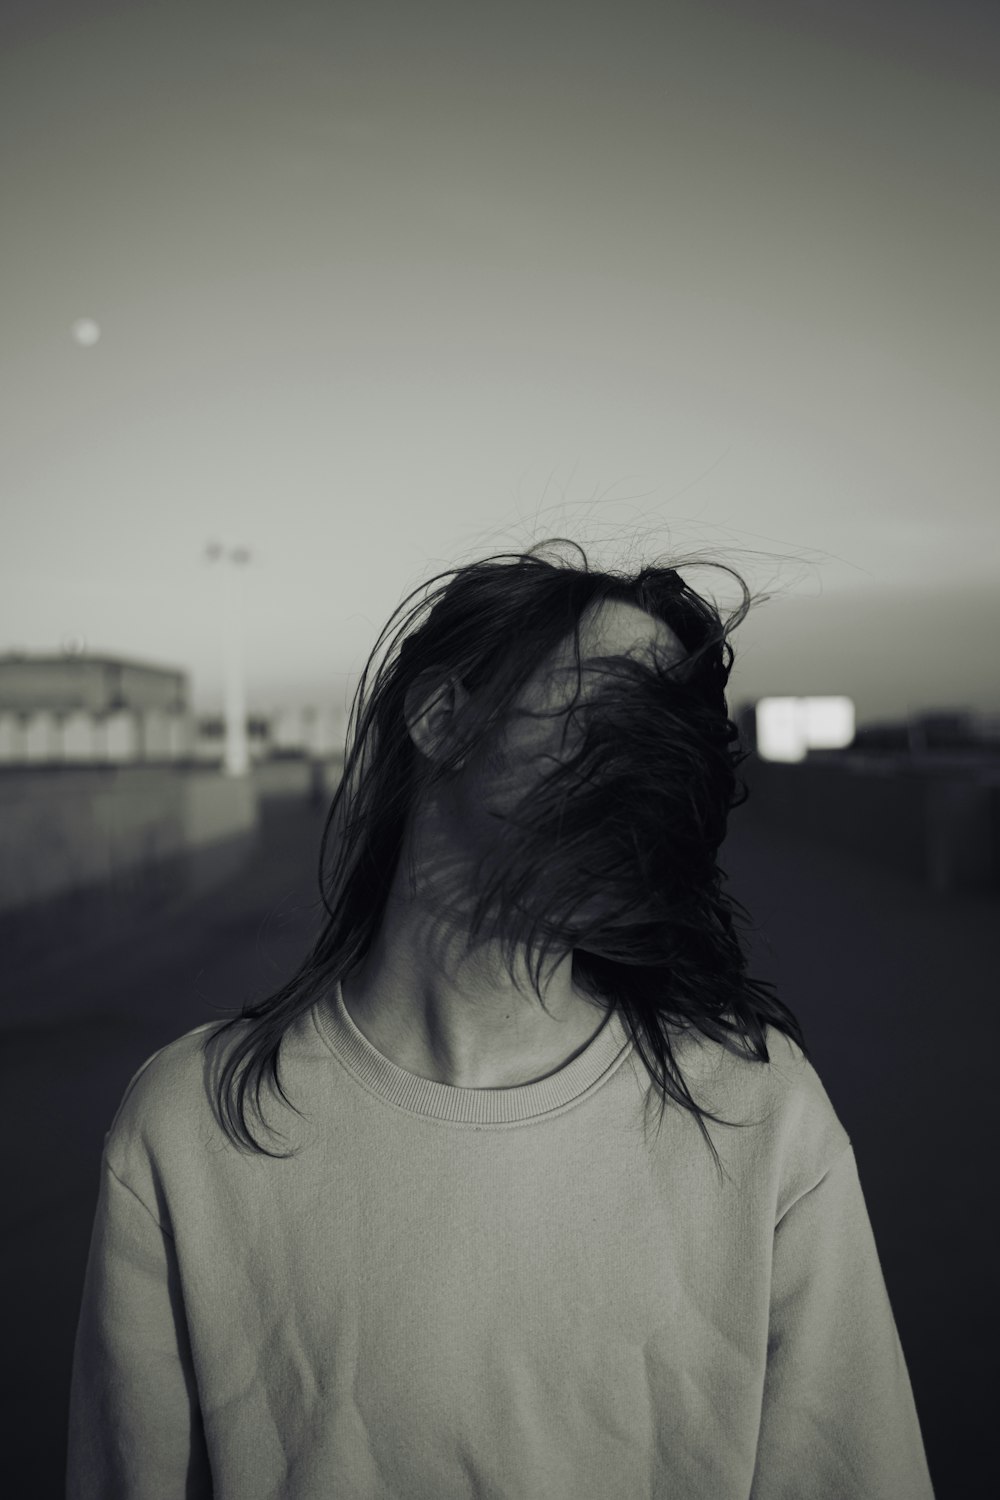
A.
x: 444, y: 1012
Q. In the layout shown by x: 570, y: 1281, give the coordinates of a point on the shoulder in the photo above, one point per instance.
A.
x: 165, y: 1101
x: 788, y: 1126
x: 793, y: 1082
x: 800, y: 1091
x: 805, y: 1133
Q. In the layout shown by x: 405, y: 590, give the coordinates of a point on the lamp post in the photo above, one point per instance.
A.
x: 236, y: 756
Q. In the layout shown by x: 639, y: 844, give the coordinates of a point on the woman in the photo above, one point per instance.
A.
x: 476, y: 1272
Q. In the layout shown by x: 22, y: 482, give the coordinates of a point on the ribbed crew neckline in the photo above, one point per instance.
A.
x: 441, y: 1101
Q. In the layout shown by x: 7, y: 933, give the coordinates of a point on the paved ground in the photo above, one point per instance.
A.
x: 894, y: 987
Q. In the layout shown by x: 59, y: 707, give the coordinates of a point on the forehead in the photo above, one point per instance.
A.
x: 607, y: 628
x: 613, y: 627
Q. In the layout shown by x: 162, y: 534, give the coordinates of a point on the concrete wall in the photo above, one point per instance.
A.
x: 86, y: 852
x: 283, y: 777
x: 62, y: 828
x: 83, y: 849
x: 939, y: 825
x: 315, y: 777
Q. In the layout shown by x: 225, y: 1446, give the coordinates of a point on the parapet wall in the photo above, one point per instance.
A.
x: 939, y: 824
x: 63, y: 828
x: 81, y: 846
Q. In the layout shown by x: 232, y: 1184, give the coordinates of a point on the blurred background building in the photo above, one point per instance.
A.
x: 73, y: 709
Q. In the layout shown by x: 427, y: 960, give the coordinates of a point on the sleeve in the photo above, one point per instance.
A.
x: 838, y: 1420
x: 135, y: 1430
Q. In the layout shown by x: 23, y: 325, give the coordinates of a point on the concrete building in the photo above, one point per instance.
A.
x: 97, y: 710
x: 76, y: 709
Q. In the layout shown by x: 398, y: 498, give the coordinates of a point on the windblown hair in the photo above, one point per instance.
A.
x: 634, y: 817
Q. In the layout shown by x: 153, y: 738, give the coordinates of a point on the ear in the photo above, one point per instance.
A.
x: 430, y: 708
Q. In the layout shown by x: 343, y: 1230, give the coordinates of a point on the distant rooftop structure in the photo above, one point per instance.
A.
x: 94, y: 684
x: 72, y: 708
x: 792, y: 729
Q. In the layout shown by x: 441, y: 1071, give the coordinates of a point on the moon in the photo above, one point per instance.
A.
x: 86, y: 331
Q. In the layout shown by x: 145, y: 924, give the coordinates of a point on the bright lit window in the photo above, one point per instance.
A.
x: 788, y: 728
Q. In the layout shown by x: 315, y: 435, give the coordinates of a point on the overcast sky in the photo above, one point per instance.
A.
x: 383, y: 288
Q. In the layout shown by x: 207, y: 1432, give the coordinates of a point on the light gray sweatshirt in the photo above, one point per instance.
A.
x: 514, y: 1293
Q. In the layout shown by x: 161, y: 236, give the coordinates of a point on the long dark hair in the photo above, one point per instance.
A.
x: 636, y: 815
